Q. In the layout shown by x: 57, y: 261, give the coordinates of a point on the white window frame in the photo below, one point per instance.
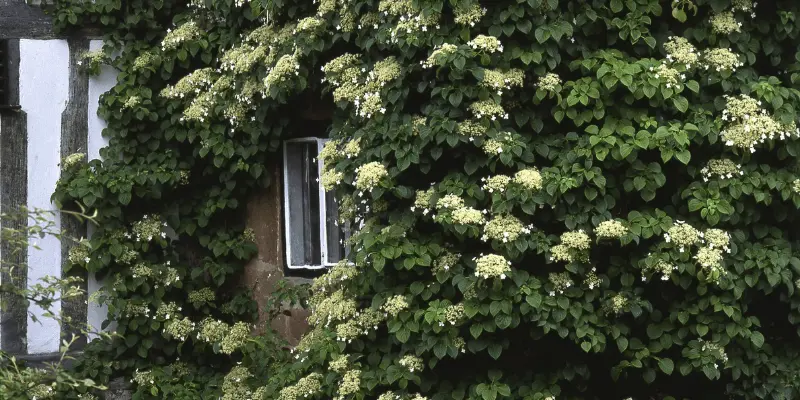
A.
x: 323, y: 209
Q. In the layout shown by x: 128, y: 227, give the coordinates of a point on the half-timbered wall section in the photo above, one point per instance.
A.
x: 50, y: 112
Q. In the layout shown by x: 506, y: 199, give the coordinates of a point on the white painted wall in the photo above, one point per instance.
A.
x: 44, y: 90
x: 97, y: 86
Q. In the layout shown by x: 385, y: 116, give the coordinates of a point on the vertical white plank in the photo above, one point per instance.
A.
x: 98, y: 85
x: 44, y: 90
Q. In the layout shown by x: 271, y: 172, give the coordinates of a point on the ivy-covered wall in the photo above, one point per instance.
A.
x: 556, y: 199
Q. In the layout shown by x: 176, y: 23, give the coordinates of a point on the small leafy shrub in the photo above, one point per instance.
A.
x: 556, y: 199
x: 18, y: 380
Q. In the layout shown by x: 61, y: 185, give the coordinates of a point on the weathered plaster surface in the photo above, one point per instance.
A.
x: 264, y: 215
x: 44, y: 90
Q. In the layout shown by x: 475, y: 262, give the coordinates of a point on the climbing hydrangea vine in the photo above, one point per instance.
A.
x: 555, y: 198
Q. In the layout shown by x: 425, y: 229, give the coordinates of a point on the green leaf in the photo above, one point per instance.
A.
x: 681, y: 103
x: 586, y: 346
x: 475, y: 330
x: 622, y: 343
x: 455, y: 98
x: 666, y: 365
x: 654, y: 331
x: 679, y: 14
x: 684, y: 156
x: 757, y: 338
x: 701, y: 329
x: 524, y: 26
x: 542, y: 34
x: 495, y: 350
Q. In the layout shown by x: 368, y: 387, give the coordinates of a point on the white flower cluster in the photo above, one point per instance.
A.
x: 184, y: 33
x: 715, y: 351
x: 413, y: 363
x: 149, y: 227
x: 330, y: 178
x: 617, y: 304
x: 468, y: 216
x: 713, y: 242
x: 549, y: 82
x: 505, y: 228
x: 331, y: 308
x: 369, y: 175
x: 79, y: 254
x: 725, y: 23
x: 488, y: 108
x: 143, y: 378
x: 683, y: 235
x: 721, y: 60
x: 423, y: 201
x: 179, y: 329
x: 309, y: 25
x: 355, y: 85
x: 449, y: 201
x: 745, y: 5
x: 72, y: 160
x: 488, y: 44
x: 670, y: 76
x: 192, y: 84
x: 492, y: 266
x: 680, y: 51
x: 529, y: 178
x: 305, y: 387
x: 722, y: 168
x: 440, y: 55
x: 339, y: 364
x: 749, y: 124
x: 561, y: 281
x: 395, y: 305
x: 497, y: 183
x: 592, y: 281
x: 470, y: 129
x: 146, y: 59
x: 611, y: 229
x: 411, y: 20
x: 286, y: 68
x: 454, y: 314
x: 659, y: 267
x: 242, y: 59
x: 446, y: 261
x: 350, y: 384
x: 499, y: 80
x: 574, y: 247
x: 469, y: 15
x: 199, y: 109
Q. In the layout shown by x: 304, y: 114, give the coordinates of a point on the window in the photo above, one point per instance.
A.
x: 314, y: 238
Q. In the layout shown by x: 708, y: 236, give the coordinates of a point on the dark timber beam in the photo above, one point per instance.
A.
x: 74, y: 139
x: 19, y: 20
x: 13, y: 195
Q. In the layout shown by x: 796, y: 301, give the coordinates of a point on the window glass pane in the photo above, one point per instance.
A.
x: 337, y: 233
x: 303, y: 224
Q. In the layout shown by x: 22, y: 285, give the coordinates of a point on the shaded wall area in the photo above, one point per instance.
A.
x: 262, y: 273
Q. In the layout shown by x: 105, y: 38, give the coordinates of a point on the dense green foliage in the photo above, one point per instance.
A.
x: 557, y: 199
